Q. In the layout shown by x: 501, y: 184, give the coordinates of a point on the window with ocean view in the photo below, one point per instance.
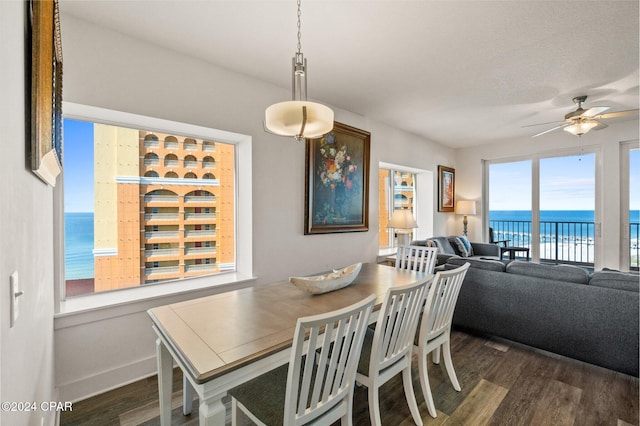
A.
x: 565, y: 227
x: 143, y: 207
x: 634, y: 208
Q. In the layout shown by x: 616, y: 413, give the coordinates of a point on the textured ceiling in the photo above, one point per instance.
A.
x: 460, y: 73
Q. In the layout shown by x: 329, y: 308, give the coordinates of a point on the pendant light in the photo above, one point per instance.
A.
x: 298, y: 117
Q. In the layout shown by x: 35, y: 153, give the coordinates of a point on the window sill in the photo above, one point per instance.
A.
x: 99, y: 306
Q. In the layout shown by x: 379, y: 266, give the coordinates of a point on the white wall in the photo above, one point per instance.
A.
x: 26, y: 241
x: 606, y: 142
x: 109, y: 70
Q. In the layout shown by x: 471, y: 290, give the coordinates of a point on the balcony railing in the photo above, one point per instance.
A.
x: 152, y: 143
x: 199, y: 216
x: 161, y: 234
x: 161, y: 198
x: 162, y: 252
x: 191, y: 233
x: 200, y: 267
x: 560, y: 242
x: 170, y: 145
x: 199, y: 250
x: 200, y: 199
x: 161, y: 216
x: 171, y: 163
x: 190, y: 146
x: 151, y: 162
x: 189, y: 164
x: 161, y: 270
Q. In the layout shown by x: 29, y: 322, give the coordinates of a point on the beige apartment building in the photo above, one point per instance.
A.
x: 164, y: 207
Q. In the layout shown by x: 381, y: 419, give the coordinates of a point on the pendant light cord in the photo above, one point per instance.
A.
x: 299, y: 25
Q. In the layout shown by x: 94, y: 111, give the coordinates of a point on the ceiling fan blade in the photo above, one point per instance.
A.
x: 593, y: 111
x: 540, y: 124
x: 551, y: 130
x: 616, y: 114
x: 600, y: 126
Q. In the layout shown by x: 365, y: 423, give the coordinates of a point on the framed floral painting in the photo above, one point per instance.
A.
x: 446, y: 188
x: 337, y: 181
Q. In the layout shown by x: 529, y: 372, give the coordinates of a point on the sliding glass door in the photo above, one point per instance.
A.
x: 546, y: 204
x: 630, y: 205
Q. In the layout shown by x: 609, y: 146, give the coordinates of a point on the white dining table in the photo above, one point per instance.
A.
x: 224, y: 340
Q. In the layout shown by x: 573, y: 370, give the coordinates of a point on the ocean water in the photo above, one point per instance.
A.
x: 78, y: 245
x: 548, y: 232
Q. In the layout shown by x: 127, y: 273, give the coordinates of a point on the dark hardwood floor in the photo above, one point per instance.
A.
x: 502, y: 384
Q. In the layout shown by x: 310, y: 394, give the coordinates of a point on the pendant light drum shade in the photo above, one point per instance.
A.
x: 287, y: 119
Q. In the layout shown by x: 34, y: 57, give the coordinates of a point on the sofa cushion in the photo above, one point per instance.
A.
x: 443, y: 244
x: 617, y: 280
x: 567, y: 273
x: 490, y: 265
x: 462, y: 246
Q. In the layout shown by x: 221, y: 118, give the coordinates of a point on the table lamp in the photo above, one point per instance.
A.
x: 402, y: 221
x: 465, y: 207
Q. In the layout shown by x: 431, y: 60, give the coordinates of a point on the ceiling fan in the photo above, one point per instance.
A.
x: 582, y: 120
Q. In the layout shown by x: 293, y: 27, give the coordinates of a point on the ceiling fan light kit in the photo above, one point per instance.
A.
x: 299, y: 118
x: 581, y: 121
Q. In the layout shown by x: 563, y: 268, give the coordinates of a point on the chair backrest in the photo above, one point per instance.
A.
x: 441, y: 302
x: 334, y: 342
x: 492, y: 236
x: 416, y: 258
x: 396, y: 325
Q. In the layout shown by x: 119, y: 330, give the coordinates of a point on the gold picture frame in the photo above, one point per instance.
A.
x: 446, y: 189
x: 337, y: 181
x: 45, y: 124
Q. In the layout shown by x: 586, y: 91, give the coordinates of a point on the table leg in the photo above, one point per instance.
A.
x: 187, y: 395
x: 212, y: 411
x: 165, y: 378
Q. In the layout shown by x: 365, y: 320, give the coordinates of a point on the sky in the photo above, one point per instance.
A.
x: 78, y: 166
x: 566, y: 183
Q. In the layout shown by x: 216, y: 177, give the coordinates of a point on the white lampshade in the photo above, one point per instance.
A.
x: 285, y: 119
x: 402, y: 219
x: 466, y: 207
x: 581, y: 127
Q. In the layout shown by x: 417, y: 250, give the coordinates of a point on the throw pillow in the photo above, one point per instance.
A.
x: 464, y: 246
x: 434, y: 243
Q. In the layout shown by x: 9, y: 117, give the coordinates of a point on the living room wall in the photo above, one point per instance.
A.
x: 606, y: 142
x: 113, y: 71
x: 26, y: 241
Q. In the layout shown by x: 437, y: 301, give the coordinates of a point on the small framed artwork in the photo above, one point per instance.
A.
x: 45, y: 124
x: 446, y: 188
x: 337, y: 181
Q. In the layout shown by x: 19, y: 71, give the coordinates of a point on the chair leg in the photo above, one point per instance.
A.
x: 234, y: 412
x: 411, y: 397
x: 448, y: 363
x: 374, y: 406
x: 424, y: 383
x: 436, y: 355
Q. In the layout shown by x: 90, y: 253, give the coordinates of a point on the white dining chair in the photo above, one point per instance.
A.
x: 300, y: 392
x: 386, y: 351
x: 435, y: 328
x: 416, y: 258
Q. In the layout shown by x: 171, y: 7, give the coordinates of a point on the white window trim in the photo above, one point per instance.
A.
x: 139, y: 299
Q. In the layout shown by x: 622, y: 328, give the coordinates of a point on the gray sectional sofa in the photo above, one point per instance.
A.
x: 447, y: 248
x: 561, y: 309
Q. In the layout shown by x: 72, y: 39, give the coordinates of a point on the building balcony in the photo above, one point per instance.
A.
x: 189, y: 251
x: 161, y: 198
x: 207, y: 199
x: 202, y: 267
x: 150, y: 235
x: 151, y: 144
x: 161, y: 216
x: 190, y: 164
x: 151, y: 162
x: 208, y: 147
x: 171, y: 252
x: 201, y: 233
x: 209, y: 165
x: 162, y: 270
x: 171, y: 163
x: 190, y: 146
x: 170, y: 145
x: 200, y: 216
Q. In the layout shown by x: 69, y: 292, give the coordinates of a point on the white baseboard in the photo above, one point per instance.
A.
x: 104, y: 381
